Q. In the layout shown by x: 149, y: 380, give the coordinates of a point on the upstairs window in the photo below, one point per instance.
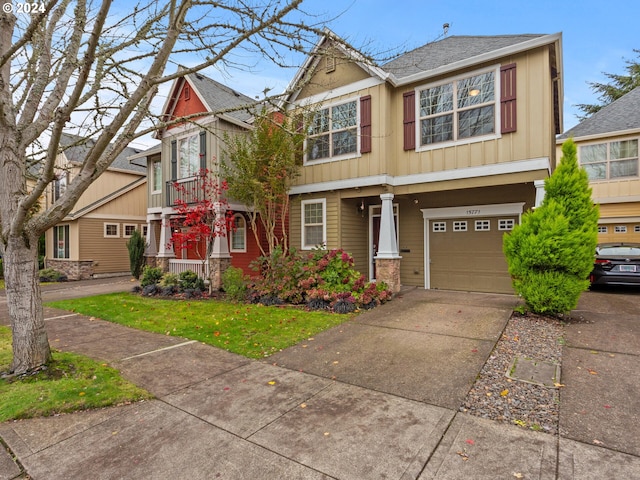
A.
x: 60, y: 185
x: 188, y: 156
x: 459, y: 110
x: 333, y: 132
x: 156, y: 176
x: 605, y: 161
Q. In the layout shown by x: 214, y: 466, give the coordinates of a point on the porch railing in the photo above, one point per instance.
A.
x: 178, y: 266
x: 188, y: 190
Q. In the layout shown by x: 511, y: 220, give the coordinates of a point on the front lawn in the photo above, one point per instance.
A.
x: 255, y: 331
x: 71, y: 382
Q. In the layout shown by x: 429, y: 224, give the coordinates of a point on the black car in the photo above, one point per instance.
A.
x: 616, y: 264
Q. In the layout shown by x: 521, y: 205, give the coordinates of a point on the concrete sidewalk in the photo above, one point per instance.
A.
x: 376, y: 397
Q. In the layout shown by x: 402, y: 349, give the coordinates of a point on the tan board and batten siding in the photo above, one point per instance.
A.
x: 110, y: 255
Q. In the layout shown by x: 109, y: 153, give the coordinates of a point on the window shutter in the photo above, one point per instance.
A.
x: 409, y: 118
x: 508, y: 113
x: 174, y: 160
x: 66, y: 241
x: 365, y: 124
x: 203, y: 149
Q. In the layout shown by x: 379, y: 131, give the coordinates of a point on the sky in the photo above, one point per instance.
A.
x: 597, y: 36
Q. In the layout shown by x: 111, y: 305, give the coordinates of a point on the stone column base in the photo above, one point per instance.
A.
x: 217, y: 267
x: 163, y: 263
x: 388, y: 271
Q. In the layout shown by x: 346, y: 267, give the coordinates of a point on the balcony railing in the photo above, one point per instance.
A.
x: 188, y: 190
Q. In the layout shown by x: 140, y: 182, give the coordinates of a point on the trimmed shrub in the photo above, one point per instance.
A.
x: 189, y: 280
x: 234, y: 284
x: 170, y: 280
x: 151, y: 276
x: 550, y: 254
x: 51, y: 275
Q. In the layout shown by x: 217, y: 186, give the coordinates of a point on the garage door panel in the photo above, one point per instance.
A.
x: 468, y: 260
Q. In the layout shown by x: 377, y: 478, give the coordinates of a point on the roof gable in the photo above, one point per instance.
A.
x: 76, y: 149
x: 621, y: 115
x: 214, y: 96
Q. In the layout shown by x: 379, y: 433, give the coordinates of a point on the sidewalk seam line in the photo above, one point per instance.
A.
x: 159, y: 350
x: 62, y: 316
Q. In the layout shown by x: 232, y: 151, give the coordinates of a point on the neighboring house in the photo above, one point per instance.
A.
x: 607, y: 144
x: 186, y: 149
x: 91, y: 239
x: 418, y: 167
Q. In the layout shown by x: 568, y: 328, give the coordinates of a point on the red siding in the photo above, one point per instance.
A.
x: 187, y: 103
x: 508, y: 112
x: 409, y: 106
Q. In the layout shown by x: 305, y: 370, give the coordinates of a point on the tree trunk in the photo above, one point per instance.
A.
x: 30, y: 343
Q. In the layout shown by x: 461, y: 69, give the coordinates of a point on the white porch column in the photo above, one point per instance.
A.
x: 150, y: 250
x: 539, y: 184
x: 220, y: 241
x: 387, y: 258
x: 166, y: 249
x: 387, y: 243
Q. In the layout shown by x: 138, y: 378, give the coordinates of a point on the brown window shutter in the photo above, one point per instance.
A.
x: 508, y: 113
x: 409, y: 119
x: 365, y: 124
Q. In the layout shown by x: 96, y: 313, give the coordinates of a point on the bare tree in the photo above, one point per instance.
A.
x: 94, y: 69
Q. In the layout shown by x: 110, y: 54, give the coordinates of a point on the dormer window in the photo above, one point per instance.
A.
x: 188, y: 156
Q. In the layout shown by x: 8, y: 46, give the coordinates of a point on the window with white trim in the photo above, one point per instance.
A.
x: 111, y: 230
x: 483, y: 225
x: 188, y: 156
x: 603, y: 229
x: 603, y: 161
x: 636, y: 229
x: 439, y: 227
x: 144, y: 228
x: 61, y: 241
x: 239, y: 234
x: 506, y: 223
x: 460, y: 226
x: 314, y: 228
x: 333, y: 132
x: 458, y: 110
x: 128, y: 229
x: 620, y: 229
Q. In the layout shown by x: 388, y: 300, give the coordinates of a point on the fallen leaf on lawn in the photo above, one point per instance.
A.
x: 607, y: 406
x: 489, y: 394
x: 336, y: 362
x: 81, y: 394
x: 593, y: 352
x: 226, y: 388
x: 474, y: 350
x: 305, y: 345
x: 303, y: 405
x: 517, y: 475
x: 504, y: 392
x: 272, y: 382
x: 326, y: 434
x: 216, y: 334
x: 470, y: 441
x: 558, y: 385
x: 592, y: 372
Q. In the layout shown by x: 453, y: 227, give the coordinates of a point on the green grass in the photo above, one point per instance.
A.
x: 70, y: 383
x: 1, y: 284
x: 254, y: 331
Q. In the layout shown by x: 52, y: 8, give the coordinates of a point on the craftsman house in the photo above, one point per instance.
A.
x: 210, y: 110
x: 91, y: 240
x: 418, y: 167
x: 607, y: 144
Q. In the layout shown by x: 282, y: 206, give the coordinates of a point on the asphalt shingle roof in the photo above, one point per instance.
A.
x: 78, y: 153
x: 221, y: 98
x: 451, y: 50
x: 622, y: 114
